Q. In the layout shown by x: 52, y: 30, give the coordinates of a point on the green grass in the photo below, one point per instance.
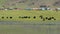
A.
x: 16, y: 13
x: 29, y: 29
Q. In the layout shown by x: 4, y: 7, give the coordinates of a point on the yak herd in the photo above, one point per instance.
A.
x: 40, y: 17
x: 34, y: 17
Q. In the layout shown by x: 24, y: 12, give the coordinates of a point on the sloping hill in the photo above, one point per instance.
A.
x: 28, y: 3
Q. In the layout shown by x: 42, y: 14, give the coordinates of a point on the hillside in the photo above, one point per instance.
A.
x: 29, y: 3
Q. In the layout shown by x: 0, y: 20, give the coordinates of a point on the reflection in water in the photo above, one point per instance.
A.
x: 42, y: 28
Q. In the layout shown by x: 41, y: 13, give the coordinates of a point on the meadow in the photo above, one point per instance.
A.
x: 13, y: 15
x: 29, y: 26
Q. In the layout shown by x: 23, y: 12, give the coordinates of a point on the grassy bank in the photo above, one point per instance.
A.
x: 5, y: 15
x: 29, y: 26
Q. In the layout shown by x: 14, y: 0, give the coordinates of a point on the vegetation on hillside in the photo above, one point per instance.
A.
x: 28, y: 3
